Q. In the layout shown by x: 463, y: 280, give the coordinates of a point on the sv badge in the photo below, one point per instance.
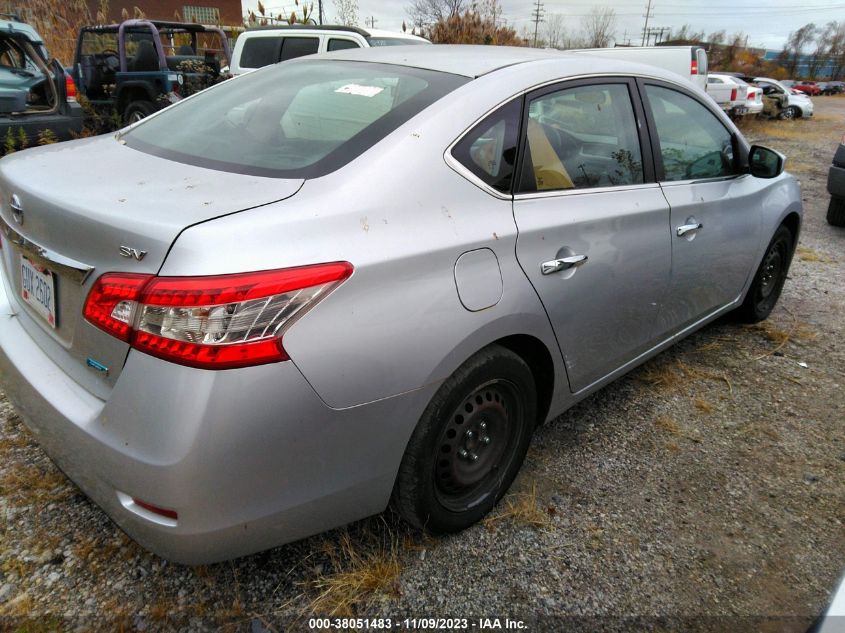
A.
x: 128, y: 251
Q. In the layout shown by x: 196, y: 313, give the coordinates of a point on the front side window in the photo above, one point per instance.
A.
x: 489, y: 149
x: 582, y: 137
x: 302, y: 119
x: 693, y: 142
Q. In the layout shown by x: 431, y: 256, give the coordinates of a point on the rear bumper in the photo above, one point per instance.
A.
x: 65, y: 124
x: 249, y: 458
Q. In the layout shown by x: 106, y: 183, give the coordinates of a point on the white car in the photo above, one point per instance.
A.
x: 731, y: 93
x: 262, y: 46
x: 798, y: 104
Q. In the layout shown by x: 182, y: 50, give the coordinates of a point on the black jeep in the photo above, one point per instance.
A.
x: 139, y: 66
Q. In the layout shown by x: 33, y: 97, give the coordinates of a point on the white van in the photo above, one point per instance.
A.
x: 265, y: 45
x: 687, y: 61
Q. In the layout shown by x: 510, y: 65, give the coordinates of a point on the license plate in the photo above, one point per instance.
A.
x: 38, y: 289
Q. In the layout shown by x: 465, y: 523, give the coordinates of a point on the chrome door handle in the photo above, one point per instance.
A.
x: 556, y: 265
x: 686, y: 228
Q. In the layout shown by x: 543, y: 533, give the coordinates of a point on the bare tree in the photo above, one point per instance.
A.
x: 554, y: 30
x: 599, y: 27
x: 424, y: 13
x: 834, y: 34
x: 795, y: 45
x: 347, y: 12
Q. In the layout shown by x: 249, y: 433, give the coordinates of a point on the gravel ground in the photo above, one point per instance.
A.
x: 705, y: 491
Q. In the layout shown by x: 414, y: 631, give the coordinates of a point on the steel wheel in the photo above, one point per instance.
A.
x: 769, y: 279
x: 478, y: 437
x: 469, y: 443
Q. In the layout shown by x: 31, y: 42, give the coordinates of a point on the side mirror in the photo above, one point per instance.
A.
x: 764, y: 162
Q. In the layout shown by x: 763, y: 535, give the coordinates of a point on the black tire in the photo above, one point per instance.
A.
x: 137, y: 110
x: 836, y: 211
x: 440, y: 486
x: 789, y: 113
x: 769, y: 278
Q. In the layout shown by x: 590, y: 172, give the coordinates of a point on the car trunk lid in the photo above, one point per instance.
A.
x: 74, y: 211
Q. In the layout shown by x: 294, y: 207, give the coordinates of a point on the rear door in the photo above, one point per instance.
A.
x: 716, y: 209
x: 592, y: 222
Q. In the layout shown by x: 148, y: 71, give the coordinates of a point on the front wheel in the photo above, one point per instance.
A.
x: 789, y: 113
x: 836, y: 211
x: 137, y: 110
x: 769, y: 279
x: 469, y: 443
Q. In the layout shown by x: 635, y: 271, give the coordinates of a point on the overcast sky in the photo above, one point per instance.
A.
x: 766, y: 22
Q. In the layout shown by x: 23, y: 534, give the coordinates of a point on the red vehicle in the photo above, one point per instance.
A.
x: 807, y: 87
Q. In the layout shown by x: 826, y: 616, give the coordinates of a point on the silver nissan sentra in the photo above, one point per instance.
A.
x: 352, y: 280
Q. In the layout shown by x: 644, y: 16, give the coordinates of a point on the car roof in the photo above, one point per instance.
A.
x: 334, y: 28
x: 475, y: 61
x: 396, y: 34
x: 23, y: 28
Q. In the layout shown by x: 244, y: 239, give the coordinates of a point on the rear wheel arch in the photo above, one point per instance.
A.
x: 539, y: 360
x: 793, y: 222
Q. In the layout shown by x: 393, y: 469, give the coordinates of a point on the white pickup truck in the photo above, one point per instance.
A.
x: 729, y: 92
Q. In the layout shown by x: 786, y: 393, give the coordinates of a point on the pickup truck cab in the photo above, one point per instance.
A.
x: 265, y: 45
x: 686, y: 61
x: 139, y: 66
x: 35, y: 93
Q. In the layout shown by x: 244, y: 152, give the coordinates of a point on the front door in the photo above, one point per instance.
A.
x: 716, y: 210
x: 592, y: 223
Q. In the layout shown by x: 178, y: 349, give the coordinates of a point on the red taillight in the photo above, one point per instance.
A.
x: 170, y: 514
x: 112, y: 300
x: 693, y: 67
x: 733, y: 94
x: 70, y: 88
x: 216, y: 322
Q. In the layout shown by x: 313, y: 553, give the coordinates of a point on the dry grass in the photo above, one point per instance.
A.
x: 358, y: 577
x: 670, y: 426
x: 674, y: 374
x: 773, y: 128
x: 30, y: 485
x: 522, y: 507
x: 19, y: 606
x: 702, y: 405
x: 807, y: 254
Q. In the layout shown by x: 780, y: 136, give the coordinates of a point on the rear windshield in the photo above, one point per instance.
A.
x: 299, y: 119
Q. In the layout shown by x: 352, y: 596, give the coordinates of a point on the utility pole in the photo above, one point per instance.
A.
x: 645, y: 28
x: 537, y: 14
x: 371, y: 20
x: 320, y: 10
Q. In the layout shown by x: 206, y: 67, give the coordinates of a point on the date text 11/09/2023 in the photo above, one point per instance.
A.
x: 421, y: 624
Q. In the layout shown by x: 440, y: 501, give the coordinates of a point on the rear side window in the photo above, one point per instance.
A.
x: 489, y: 149
x: 260, y: 51
x: 293, y: 47
x: 336, y: 44
x: 302, y: 119
x: 693, y: 142
x: 582, y: 137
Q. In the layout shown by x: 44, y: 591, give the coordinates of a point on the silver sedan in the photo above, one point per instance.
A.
x: 364, y: 278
